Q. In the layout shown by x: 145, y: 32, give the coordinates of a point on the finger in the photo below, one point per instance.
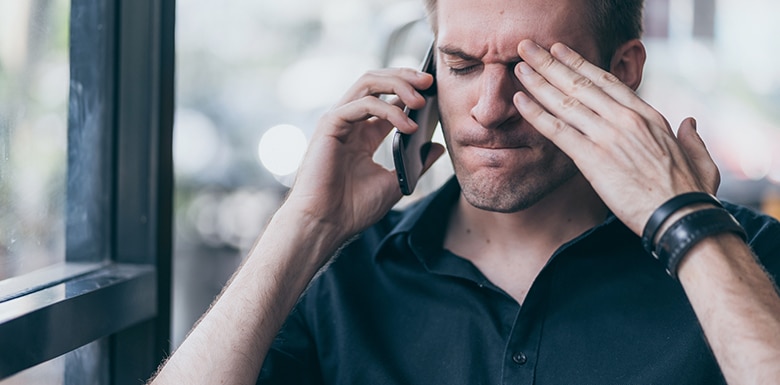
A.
x: 570, y: 140
x: 396, y: 101
x: 625, y: 109
x: 700, y: 158
x: 403, y: 82
x: 563, y: 106
x: 400, y: 104
x: 371, y: 106
x: 567, y: 80
x: 369, y: 118
x: 607, y: 82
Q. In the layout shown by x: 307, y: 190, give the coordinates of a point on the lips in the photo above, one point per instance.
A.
x: 498, y: 146
x: 494, y: 142
x: 506, y: 137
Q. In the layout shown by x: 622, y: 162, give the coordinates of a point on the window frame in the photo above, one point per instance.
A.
x: 116, y: 280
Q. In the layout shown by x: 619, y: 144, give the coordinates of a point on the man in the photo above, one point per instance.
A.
x: 529, y: 267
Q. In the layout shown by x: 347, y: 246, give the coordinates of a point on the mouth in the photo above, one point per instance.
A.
x: 495, y: 141
x: 498, y: 146
x: 497, y: 154
x: 493, y: 144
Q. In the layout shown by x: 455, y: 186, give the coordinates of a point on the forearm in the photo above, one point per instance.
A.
x: 738, y: 307
x: 230, y: 342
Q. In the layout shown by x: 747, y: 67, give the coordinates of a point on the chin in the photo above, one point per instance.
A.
x: 513, y: 192
x: 501, y: 199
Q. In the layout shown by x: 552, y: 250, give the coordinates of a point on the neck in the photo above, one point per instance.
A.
x: 538, y: 230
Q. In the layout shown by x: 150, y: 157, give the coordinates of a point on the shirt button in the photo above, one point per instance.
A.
x: 520, y: 358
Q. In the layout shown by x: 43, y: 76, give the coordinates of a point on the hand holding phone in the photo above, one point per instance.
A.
x: 410, y: 151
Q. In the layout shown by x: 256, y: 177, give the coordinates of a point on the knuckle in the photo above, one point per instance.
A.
x: 547, y: 62
x: 581, y: 82
x: 374, y: 73
x: 366, y: 78
x: 577, y: 62
x: 371, y: 78
x: 330, y: 118
x: 559, y: 126
x: 634, y: 120
x: 407, y: 71
x: 570, y: 102
x: 367, y: 103
x: 607, y: 79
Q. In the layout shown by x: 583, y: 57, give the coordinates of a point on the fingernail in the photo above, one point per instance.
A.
x: 525, y: 68
x: 560, y: 49
x: 693, y: 123
x: 531, y: 47
x: 522, y: 98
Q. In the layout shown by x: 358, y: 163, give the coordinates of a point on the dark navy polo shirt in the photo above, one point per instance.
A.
x: 396, y: 308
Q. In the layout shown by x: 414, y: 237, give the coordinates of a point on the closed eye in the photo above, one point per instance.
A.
x: 461, y: 71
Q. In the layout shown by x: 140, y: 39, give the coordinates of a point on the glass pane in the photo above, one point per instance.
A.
x: 34, y: 77
x: 87, y: 365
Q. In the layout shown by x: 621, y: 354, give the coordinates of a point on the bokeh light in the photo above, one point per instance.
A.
x: 281, y: 149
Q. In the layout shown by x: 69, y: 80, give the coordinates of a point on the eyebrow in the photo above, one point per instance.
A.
x: 454, y: 51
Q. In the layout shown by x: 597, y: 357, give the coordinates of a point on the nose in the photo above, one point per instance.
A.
x: 494, y: 107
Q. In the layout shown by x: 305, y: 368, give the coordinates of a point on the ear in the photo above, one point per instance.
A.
x: 628, y: 62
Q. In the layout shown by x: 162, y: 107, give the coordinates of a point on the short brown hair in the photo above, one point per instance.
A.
x: 613, y: 23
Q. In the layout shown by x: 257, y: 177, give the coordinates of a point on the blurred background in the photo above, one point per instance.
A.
x: 254, y: 76
x: 33, y: 133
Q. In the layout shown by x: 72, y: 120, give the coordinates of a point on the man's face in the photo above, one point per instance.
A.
x: 502, y: 163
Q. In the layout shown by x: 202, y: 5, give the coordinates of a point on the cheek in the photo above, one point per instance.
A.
x: 454, y: 101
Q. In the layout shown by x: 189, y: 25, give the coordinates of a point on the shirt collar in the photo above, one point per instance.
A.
x: 426, y: 220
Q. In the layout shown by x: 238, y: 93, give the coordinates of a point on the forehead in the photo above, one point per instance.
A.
x: 483, y: 26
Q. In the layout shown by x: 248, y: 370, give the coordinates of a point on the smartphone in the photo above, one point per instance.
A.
x: 410, y: 151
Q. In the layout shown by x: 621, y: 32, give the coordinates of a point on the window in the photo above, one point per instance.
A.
x: 106, y: 304
x: 33, y: 134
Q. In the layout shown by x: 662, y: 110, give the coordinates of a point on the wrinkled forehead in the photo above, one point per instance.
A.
x: 502, y: 24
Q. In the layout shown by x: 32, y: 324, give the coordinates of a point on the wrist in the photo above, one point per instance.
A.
x: 681, y: 223
x: 319, y: 231
x: 677, y: 216
x: 690, y: 231
x: 672, y: 208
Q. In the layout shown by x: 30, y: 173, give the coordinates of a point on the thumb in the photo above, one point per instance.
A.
x: 700, y: 158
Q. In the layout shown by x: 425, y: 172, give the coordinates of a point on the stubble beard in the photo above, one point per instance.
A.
x: 517, y: 192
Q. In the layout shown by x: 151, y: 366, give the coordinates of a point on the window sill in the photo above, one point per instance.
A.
x: 49, y: 322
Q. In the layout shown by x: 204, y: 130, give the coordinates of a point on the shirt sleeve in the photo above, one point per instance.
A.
x: 292, y: 358
x: 763, y: 238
